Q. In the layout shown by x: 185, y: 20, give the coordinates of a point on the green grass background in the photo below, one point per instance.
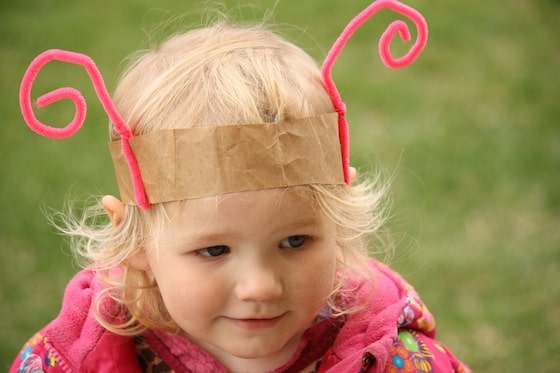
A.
x: 469, y: 133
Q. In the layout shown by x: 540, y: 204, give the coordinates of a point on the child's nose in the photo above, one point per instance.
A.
x: 258, y: 283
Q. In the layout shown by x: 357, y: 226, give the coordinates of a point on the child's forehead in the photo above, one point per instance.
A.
x: 292, y: 202
x: 258, y: 214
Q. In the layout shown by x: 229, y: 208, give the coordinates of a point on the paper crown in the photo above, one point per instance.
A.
x: 180, y: 164
x: 161, y: 166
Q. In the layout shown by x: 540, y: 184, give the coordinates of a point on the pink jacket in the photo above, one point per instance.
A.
x: 394, y: 332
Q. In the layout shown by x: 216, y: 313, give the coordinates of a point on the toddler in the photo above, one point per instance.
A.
x: 238, y: 243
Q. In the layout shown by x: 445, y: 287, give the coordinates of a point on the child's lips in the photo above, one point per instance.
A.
x: 257, y: 323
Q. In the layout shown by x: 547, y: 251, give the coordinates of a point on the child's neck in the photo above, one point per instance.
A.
x: 268, y: 363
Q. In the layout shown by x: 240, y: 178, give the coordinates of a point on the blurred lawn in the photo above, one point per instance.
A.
x: 469, y: 132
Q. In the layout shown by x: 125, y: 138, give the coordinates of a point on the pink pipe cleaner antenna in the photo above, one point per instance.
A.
x: 395, y: 27
x: 80, y: 105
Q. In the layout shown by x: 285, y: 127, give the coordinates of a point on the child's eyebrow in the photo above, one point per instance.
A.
x: 307, y: 221
x: 222, y: 233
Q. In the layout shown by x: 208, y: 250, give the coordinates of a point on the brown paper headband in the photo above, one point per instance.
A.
x: 178, y: 164
x: 294, y: 167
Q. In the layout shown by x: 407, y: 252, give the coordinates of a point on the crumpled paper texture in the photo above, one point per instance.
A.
x: 179, y: 164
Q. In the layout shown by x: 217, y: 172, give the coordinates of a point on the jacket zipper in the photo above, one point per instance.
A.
x: 367, y: 362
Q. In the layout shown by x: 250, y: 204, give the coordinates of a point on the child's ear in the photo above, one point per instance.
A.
x: 353, y: 174
x: 116, y: 210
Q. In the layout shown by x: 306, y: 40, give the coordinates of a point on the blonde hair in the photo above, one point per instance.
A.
x: 217, y: 75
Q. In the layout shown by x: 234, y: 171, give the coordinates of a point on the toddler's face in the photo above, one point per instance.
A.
x: 245, y: 274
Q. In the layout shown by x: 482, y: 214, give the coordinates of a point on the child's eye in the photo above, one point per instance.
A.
x: 214, y: 251
x: 293, y: 242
